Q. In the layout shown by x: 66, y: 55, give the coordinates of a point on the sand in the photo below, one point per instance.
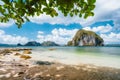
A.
x: 12, y: 67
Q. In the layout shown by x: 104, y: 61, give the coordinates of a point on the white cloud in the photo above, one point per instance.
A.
x: 100, y: 29
x: 60, y: 36
x: 111, y: 38
x: 43, y: 18
x: 10, y: 39
x: 40, y: 32
x: 104, y: 11
x: 8, y: 24
x: 2, y: 32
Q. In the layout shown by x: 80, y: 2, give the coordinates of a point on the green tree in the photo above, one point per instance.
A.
x: 20, y: 10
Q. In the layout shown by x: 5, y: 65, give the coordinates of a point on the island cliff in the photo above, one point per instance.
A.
x: 86, y: 38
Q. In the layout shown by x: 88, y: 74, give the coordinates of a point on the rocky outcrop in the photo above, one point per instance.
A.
x: 19, y: 44
x: 32, y: 43
x: 49, y: 43
x: 86, y: 38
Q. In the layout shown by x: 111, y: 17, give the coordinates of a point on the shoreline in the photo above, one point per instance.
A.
x: 13, y: 67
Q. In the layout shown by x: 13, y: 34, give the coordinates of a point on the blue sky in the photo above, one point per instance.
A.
x: 61, y: 29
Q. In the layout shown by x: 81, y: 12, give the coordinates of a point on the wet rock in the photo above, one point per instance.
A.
x: 17, y: 54
x: 20, y: 73
x: 27, y: 52
x: 51, y: 49
x: 25, y: 57
x: 44, y: 63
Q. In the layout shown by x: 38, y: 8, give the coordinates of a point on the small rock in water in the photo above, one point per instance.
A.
x: 17, y: 54
x: 25, y: 57
x: 51, y: 49
x: 43, y: 63
x: 27, y: 52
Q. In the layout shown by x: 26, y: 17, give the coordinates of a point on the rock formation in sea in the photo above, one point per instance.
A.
x: 49, y: 43
x: 32, y: 43
x: 19, y: 44
x: 86, y: 38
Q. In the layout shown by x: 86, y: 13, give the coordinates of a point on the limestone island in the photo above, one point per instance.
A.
x: 86, y: 38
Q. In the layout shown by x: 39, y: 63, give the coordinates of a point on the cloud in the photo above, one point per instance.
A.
x: 112, y: 38
x: 60, y: 36
x: 100, y: 29
x: 10, y: 39
x: 8, y: 24
x: 105, y: 10
x: 43, y: 18
x: 40, y: 32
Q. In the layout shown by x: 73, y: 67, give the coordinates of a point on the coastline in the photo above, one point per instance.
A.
x: 13, y: 67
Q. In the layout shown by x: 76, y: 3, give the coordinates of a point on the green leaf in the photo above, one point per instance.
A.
x: 20, y: 10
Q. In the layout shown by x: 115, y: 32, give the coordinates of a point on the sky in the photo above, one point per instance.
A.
x: 105, y: 23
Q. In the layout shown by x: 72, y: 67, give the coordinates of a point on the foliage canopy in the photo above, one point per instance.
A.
x: 20, y: 10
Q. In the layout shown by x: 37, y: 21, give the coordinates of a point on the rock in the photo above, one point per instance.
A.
x: 17, y: 54
x: 27, y: 52
x: 25, y: 57
x: 86, y: 38
x: 44, y: 63
x: 32, y: 43
x: 20, y: 73
x: 51, y: 49
x: 5, y: 51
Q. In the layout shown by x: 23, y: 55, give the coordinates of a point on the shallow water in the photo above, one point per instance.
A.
x: 100, y: 56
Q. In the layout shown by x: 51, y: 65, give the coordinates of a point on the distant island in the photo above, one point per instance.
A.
x: 34, y: 43
x: 86, y: 38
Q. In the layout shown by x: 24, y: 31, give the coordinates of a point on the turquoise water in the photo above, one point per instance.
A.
x: 100, y: 56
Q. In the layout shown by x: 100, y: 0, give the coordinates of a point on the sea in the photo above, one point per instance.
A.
x: 99, y: 56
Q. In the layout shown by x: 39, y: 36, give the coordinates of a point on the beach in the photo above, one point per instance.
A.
x: 17, y: 64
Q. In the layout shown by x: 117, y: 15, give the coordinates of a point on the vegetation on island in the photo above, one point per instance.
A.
x: 21, y: 10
